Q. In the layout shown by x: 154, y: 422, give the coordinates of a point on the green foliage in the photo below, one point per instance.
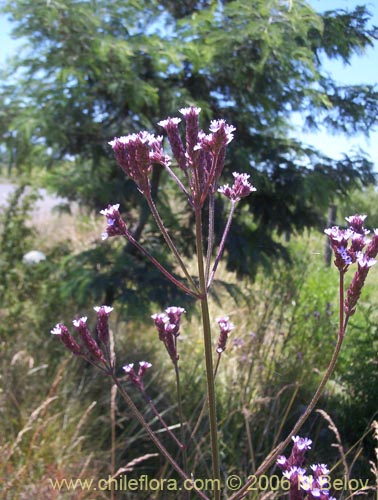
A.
x: 286, y: 325
x: 28, y: 293
x: 93, y: 70
x: 363, y: 201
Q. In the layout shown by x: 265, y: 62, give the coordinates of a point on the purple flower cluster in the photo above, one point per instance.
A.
x: 168, y: 327
x: 136, y: 153
x: 303, y: 486
x: 240, y: 188
x: 88, y: 348
x: 137, y: 378
x: 351, y: 246
x: 201, y: 159
x: 348, y: 244
x: 115, y: 225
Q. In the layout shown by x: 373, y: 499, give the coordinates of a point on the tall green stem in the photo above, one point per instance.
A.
x: 208, y: 354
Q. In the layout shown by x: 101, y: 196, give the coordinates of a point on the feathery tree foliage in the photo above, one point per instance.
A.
x: 94, y: 69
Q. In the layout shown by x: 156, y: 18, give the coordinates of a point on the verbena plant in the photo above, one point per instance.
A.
x: 200, y: 161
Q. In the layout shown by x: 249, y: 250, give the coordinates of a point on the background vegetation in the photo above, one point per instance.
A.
x: 91, y: 70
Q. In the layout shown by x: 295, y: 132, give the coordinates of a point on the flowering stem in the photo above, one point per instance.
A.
x: 162, y: 421
x: 208, y: 355
x: 150, y: 433
x: 169, y: 242
x: 166, y: 273
x: 222, y: 244
x: 210, y: 236
x: 180, y: 184
x: 279, y: 449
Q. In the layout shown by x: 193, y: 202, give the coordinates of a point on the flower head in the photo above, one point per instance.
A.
x: 225, y: 328
x: 116, y: 226
x: 137, y: 378
x: 168, y: 326
x: 240, y: 188
x: 135, y: 153
x: 348, y: 243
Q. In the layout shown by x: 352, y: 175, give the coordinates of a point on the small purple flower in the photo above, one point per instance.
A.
x: 135, y: 153
x: 128, y: 368
x: 301, y: 485
x: 160, y: 320
x: 174, y: 314
x: 168, y: 327
x: 320, y: 469
x: 137, y: 379
x: 282, y: 462
x: 221, y: 136
x: 348, y: 246
x: 143, y: 367
x: 240, y: 188
x: 302, y: 443
x: 356, y: 223
x: 295, y: 475
x: 133, y: 377
x: 364, y: 261
x: 116, y: 226
x: 190, y: 111
x: 344, y: 255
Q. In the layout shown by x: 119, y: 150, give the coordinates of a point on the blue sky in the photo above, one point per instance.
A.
x: 362, y: 70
